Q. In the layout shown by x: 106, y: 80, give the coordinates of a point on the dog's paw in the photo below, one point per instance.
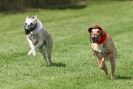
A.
x: 112, y: 76
x: 29, y: 53
x: 34, y: 53
x: 101, y: 66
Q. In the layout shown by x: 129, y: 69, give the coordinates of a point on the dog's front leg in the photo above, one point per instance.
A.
x: 102, y: 65
x: 39, y: 44
x: 32, y: 51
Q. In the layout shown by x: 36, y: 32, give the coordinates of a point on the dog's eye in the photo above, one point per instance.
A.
x: 25, y: 23
x: 98, y: 31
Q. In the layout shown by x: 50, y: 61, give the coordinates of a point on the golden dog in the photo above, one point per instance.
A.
x: 103, y: 47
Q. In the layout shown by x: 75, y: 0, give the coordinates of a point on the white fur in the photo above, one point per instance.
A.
x: 32, y: 51
x: 39, y: 27
x: 97, y: 47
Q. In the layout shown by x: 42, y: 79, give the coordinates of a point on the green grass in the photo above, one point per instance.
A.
x: 75, y: 66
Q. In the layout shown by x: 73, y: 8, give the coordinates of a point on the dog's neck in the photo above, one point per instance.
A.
x: 34, y: 27
x: 38, y: 28
x: 102, y: 38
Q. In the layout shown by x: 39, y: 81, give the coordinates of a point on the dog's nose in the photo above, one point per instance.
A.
x: 95, y: 39
x: 28, y: 26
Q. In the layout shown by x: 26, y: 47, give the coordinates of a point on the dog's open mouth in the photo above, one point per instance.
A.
x: 95, y: 39
x: 28, y: 29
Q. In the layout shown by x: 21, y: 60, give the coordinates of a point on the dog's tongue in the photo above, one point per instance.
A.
x: 102, y: 39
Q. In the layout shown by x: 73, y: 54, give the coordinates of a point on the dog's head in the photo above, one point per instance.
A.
x: 30, y: 24
x: 96, y: 32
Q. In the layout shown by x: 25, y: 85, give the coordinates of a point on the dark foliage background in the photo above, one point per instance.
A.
x: 9, y: 5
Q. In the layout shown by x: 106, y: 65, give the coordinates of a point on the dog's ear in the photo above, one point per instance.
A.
x: 35, y: 17
x: 95, y: 27
x: 28, y: 16
x: 90, y: 29
x: 98, y: 27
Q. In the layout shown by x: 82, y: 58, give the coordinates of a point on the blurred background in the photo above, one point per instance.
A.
x: 14, y: 5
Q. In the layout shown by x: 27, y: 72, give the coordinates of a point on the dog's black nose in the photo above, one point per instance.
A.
x: 95, y: 39
x: 31, y: 24
x: 28, y: 26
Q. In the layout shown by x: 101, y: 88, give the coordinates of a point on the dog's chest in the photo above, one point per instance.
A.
x: 99, y: 48
x: 33, y: 38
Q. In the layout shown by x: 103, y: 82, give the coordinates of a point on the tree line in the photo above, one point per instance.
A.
x: 8, y: 5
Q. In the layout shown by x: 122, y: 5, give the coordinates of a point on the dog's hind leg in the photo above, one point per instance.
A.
x: 43, y: 51
x: 112, y: 59
x: 112, y: 62
x: 49, y: 44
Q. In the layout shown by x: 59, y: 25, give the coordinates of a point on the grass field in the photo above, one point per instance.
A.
x: 74, y: 65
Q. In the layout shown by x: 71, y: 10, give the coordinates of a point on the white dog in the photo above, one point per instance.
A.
x: 38, y: 37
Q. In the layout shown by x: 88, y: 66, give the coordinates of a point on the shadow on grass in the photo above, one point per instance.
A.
x: 58, y: 65
x: 124, y: 78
